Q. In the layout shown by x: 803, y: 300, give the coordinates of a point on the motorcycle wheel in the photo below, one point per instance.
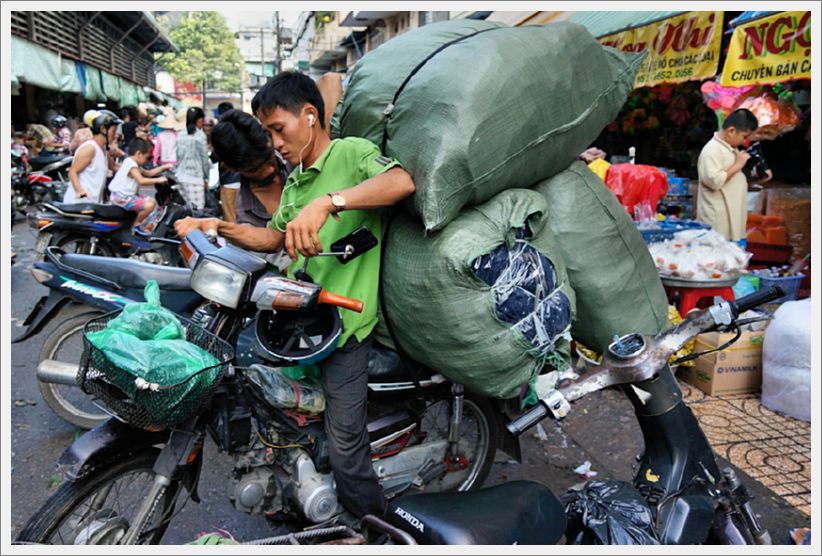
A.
x: 477, y: 442
x: 83, y: 245
x: 70, y: 403
x: 96, y: 509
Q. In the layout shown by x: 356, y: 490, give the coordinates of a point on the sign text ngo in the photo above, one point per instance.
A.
x: 769, y: 50
x: 680, y: 48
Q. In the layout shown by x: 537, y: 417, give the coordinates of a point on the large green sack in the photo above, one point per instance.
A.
x: 498, y: 109
x: 445, y: 316
x: 609, y: 266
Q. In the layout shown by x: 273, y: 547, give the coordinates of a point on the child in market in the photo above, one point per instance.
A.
x: 125, y: 185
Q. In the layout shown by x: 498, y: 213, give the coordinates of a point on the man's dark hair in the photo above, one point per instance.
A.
x: 289, y: 90
x: 139, y: 146
x: 240, y: 141
x: 224, y: 107
x: 125, y: 112
x: 742, y: 119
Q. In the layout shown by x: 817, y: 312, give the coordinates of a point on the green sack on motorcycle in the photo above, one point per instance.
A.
x: 530, y: 100
x: 486, y: 301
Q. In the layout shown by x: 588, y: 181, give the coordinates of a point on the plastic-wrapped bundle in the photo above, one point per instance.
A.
x: 617, y: 287
x: 304, y: 395
x: 786, y: 361
x: 530, y: 100
x: 699, y: 255
x: 486, y: 301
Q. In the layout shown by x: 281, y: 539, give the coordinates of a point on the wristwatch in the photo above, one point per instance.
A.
x: 338, y: 201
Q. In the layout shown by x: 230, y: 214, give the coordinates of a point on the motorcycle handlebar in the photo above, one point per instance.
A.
x: 527, y: 419
x: 757, y: 298
x: 345, y: 302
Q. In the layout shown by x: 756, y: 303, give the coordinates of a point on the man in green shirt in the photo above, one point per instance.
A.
x: 347, y: 179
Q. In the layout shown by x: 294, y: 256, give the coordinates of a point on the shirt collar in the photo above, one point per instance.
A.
x: 319, y: 164
x: 723, y: 143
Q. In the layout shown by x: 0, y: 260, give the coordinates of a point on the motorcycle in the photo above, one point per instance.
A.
x: 83, y: 287
x: 99, y: 229
x: 426, y: 433
x: 30, y: 188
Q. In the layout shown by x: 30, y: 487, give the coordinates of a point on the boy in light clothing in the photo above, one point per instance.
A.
x: 125, y: 185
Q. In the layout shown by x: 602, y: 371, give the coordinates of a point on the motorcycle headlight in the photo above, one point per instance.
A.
x: 218, y: 283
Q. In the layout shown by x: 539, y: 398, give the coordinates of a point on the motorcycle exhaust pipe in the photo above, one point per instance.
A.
x: 57, y: 372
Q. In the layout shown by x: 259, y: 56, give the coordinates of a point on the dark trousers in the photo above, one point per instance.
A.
x: 345, y: 383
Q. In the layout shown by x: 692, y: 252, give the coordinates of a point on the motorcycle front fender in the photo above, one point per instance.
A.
x: 42, y: 313
x: 109, y: 441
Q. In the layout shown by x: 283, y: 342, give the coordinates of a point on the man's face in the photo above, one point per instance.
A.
x: 289, y: 132
x: 263, y: 174
x: 111, y: 133
x: 737, y: 138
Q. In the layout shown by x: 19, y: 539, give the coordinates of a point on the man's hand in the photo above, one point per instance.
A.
x: 188, y: 224
x: 302, y: 233
x: 741, y: 158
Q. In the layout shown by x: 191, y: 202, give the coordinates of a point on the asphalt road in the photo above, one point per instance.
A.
x: 601, y: 429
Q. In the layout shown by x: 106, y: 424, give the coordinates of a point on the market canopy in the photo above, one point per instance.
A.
x: 602, y: 23
x: 769, y: 50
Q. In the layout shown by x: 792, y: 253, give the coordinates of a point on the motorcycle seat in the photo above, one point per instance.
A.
x: 109, y: 212
x: 386, y: 365
x: 129, y: 273
x: 518, y: 512
x: 40, y: 162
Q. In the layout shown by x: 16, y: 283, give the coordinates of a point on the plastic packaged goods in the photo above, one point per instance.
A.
x: 485, y: 301
x: 699, y: 255
x: 521, y: 111
x: 304, y: 395
x: 609, y: 266
x: 786, y: 361
x: 638, y: 187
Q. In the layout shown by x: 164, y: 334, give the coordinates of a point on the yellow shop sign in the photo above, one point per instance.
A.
x: 769, y: 50
x: 680, y: 48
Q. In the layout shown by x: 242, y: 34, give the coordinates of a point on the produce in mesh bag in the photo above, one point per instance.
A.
x: 530, y: 100
x: 279, y: 390
x: 617, y: 288
x: 699, y: 255
x: 485, y: 301
x: 146, y: 345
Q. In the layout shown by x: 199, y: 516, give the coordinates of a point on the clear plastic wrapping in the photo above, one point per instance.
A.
x: 699, y: 255
x: 303, y: 395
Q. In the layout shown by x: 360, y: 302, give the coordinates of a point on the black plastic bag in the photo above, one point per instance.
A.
x: 608, y: 512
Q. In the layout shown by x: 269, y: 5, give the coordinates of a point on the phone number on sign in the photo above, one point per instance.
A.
x: 673, y: 74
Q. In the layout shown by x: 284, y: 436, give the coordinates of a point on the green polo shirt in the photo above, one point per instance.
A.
x: 345, y: 163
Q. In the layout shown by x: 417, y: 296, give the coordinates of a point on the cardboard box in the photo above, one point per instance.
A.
x: 734, y: 370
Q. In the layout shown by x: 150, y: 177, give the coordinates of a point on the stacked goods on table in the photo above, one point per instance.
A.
x: 475, y: 286
x: 699, y: 255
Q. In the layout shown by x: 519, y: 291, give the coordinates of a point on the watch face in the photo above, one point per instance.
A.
x: 338, y: 201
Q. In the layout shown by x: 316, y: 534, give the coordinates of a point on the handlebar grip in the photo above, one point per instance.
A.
x: 758, y: 298
x: 527, y: 420
x: 345, y: 302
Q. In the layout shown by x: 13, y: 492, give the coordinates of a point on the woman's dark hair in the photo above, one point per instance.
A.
x: 742, y: 119
x: 139, y: 146
x: 289, y: 90
x: 192, y: 115
x: 240, y: 141
x: 224, y: 107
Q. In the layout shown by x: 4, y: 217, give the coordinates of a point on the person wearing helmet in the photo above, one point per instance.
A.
x: 90, y: 165
x: 348, y: 180
x: 59, y: 125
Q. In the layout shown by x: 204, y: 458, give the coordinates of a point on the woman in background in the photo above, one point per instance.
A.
x: 193, y: 164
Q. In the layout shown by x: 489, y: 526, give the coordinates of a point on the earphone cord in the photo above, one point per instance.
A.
x: 310, y: 137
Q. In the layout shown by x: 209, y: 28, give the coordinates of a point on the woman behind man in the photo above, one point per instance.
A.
x: 193, y: 164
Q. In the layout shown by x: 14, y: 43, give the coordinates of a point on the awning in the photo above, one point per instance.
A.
x: 600, y: 24
x: 745, y: 17
x: 41, y: 67
x: 769, y: 50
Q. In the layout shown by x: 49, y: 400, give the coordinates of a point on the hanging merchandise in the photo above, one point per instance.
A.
x: 775, y: 115
x: 485, y: 301
x: 724, y: 100
x: 531, y: 101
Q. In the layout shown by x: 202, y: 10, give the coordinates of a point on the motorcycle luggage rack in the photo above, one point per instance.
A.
x: 51, y: 255
x: 78, y: 215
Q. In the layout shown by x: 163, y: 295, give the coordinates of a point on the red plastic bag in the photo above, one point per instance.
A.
x: 638, y: 187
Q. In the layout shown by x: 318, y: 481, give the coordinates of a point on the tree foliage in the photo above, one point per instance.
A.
x: 207, y: 52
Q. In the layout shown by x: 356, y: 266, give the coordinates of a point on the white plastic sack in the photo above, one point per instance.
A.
x: 786, y: 361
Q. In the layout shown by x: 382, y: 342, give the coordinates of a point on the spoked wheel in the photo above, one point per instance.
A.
x: 99, y: 508
x: 84, y: 245
x: 477, y: 442
x: 65, y: 344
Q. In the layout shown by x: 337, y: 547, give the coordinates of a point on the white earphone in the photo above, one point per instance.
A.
x: 311, y: 120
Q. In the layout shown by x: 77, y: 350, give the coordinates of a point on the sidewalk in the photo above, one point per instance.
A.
x: 602, y: 429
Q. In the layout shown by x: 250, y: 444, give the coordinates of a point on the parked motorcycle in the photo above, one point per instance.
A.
x: 83, y: 287
x: 426, y: 433
x: 99, y: 229
x: 30, y: 188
